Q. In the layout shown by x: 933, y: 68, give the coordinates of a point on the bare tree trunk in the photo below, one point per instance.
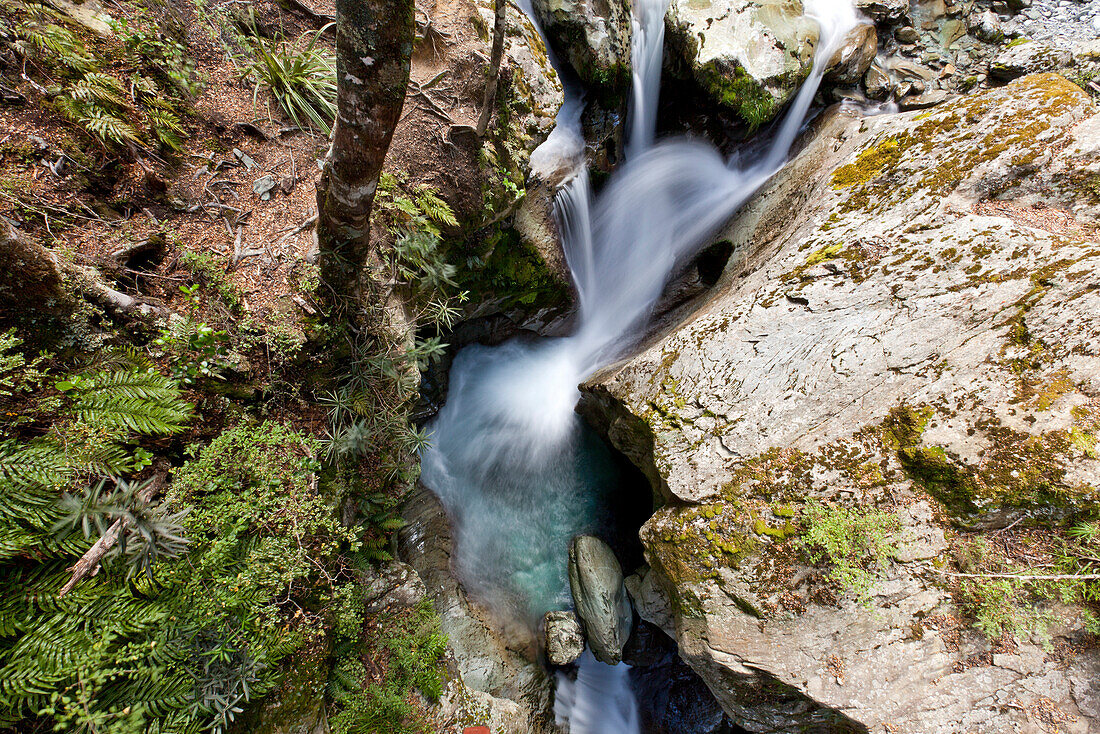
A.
x: 494, y: 67
x: 374, y: 40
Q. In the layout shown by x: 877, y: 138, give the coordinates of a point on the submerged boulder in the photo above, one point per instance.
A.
x: 905, y: 343
x: 593, y: 36
x: 596, y: 580
x: 748, y: 55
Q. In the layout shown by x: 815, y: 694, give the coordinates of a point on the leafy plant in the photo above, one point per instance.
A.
x: 855, y: 542
x: 303, y: 81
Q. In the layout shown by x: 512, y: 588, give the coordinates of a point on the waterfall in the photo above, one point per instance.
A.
x: 517, y: 470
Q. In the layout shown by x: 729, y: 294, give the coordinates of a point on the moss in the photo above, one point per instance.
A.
x: 739, y: 91
x: 868, y: 164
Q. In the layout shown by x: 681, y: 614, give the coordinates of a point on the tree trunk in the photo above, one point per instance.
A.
x: 494, y: 67
x: 374, y: 41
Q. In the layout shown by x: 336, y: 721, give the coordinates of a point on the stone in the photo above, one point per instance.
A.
x: 563, y: 637
x: 985, y: 27
x: 748, y: 56
x: 1027, y: 57
x: 883, y: 11
x: 877, y: 82
x: 907, y: 34
x: 596, y: 581
x: 854, y: 56
x: 952, y: 31
x: 593, y: 36
x: 926, y: 99
x: 871, y: 292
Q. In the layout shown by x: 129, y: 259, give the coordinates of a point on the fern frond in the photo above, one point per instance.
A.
x: 435, y: 208
x: 144, y: 402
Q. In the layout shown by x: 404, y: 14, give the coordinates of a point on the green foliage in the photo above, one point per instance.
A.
x: 16, y: 373
x: 211, y: 277
x: 197, y: 349
x: 303, y: 81
x: 137, y: 400
x: 1005, y: 598
x: 99, y: 102
x: 855, y: 542
x: 412, y: 645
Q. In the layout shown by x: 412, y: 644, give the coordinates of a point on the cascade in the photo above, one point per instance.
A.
x: 517, y: 470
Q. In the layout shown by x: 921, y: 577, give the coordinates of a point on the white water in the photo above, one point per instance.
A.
x: 516, y: 469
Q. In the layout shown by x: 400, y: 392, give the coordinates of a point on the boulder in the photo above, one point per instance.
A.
x: 747, y: 55
x: 596, y: 580
x: 593, y: 36
x: 854, y: 56
x: 563, y: 637
x: 985, y: 26
x: 882, y: 11
x: 1024, y: 56
x: 910, y: 322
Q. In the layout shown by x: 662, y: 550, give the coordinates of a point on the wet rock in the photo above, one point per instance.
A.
x: 923, y: 101
x: 748, y: 56
x: 854, y: 56
x: 563, y: 636
x: 1027, y: 57
x: 877, y: 82
x: 593, y: 36
x: 883, y: 10
x: 596, y: 580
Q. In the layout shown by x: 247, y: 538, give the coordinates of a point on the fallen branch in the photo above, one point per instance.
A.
x: 300, y: 228
x: 89, y: 562
x: 1025, y: 577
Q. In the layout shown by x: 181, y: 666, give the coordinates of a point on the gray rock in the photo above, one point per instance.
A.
x: 854, y: 56
x: 875, y: 271
x: 883, y: 10
x: 877, y: 82
x: 563, y: 637
x: 985, y: 27
x: 592, y: 35
x: 1027, y: 57
x: 596, y: 580
x: 746, y: 54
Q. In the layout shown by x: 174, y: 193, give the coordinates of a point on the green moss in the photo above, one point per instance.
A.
x: 868, y: 164
x: 738, y: 91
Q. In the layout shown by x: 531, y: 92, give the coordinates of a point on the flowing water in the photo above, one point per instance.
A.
x: 518, y: 471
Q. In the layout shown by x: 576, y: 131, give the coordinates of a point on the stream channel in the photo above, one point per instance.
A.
x: 518, y: 471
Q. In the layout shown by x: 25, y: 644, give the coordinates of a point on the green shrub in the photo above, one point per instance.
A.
x: 854, y: 542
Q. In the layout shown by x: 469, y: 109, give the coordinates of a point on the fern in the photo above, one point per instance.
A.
x: 435, y: 208
x: 144, y: 402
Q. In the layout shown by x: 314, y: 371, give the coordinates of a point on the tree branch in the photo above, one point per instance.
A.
x: 91, y: 559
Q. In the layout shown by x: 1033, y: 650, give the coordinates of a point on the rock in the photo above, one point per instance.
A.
x: 883, y: 11
x: 862, y: 347
x: 952, y: 31
x: 877, y: 82
x: 923, y: 101
x: 854, y: 56
x: 748, y: 56
x: 264, y: 186
x: 907, y: 34
x: 593, y: 36
x: 497, y: 663
x: 596, y: 580
x: 563, y: 637
x: 1027, y: 57
x: 985, y: 27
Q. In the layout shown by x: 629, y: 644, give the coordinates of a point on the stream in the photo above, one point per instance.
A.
x: 517, y: 470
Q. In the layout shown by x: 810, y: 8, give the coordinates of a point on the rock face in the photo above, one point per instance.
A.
x: 749, y: 56
x: 593, y: 36
x: 910, y: 322
x: 596, y: 580
x: 563, y: 636
x: 854, y: 56
x: 499, y: 678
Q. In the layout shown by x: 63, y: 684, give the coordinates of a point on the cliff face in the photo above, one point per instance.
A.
x: 895, y: 384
